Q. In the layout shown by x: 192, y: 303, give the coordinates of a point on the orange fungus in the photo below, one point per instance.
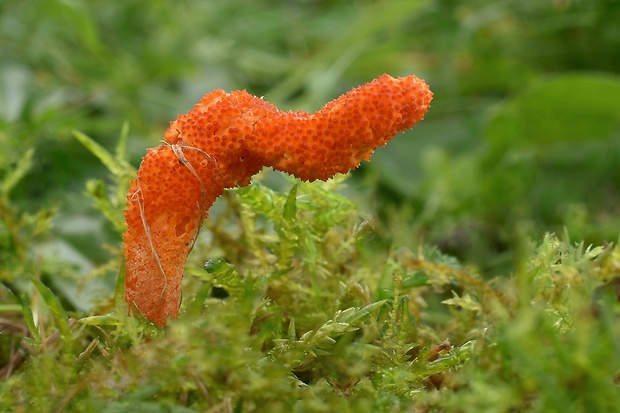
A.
x: 224, y: 140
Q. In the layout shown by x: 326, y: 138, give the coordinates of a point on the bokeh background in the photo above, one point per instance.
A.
x: 523, y: 136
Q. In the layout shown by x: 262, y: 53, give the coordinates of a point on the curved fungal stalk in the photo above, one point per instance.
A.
x: 221, y: 143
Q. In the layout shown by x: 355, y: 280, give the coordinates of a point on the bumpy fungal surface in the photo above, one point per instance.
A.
x: 224, y: 140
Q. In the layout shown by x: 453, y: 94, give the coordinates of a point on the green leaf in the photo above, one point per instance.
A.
x: 97, y: 190
x: 100, y: 320
x: 466, y: 302
x: 119, y: 290
x: 290, y: 206
x: 574, y: 107
x: 121, y: 146
x: 418, y: 279
x: 59, y: 314
x: 12, y: 178
x: 355, y: 315
x: 117, y: 167
x: 27, y: 312
x: 83, y: 357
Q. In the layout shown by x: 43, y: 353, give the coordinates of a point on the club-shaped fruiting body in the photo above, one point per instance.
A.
x: 224, y: 140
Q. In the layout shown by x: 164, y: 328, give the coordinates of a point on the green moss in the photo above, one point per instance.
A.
x: 326, y: 329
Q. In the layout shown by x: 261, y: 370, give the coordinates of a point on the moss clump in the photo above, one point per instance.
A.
x: 297, y: 309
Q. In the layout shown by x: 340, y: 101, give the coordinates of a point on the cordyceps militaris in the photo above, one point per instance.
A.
x: 224, y: 140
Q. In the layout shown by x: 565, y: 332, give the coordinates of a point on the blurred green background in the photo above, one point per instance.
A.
x: 523, y: 136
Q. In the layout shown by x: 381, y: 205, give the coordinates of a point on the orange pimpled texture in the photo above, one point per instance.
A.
x: 166, y: 208
x: 224, y: 140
